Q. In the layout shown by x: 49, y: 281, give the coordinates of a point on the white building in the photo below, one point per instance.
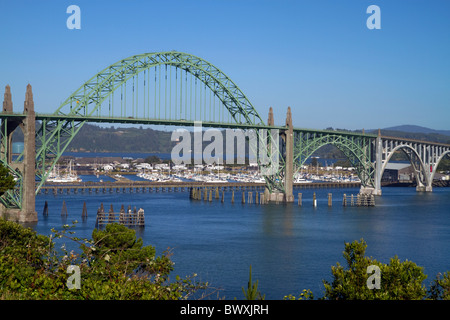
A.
x: 162, y: 166
x: 108, y: 167
x: 144, y: 165
x: 124, y: 166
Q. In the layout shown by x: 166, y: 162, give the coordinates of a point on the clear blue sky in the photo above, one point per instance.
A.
x: 318, y: 57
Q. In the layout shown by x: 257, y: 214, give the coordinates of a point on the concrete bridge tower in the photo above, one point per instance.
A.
x: 24, y: 210
x: 287, y: 135
x: 289, y: 165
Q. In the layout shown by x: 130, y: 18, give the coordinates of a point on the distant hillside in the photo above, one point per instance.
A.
x: 100, y: 139
x: 417, y: 129
x: 93, y: 138
x: 417, y: 133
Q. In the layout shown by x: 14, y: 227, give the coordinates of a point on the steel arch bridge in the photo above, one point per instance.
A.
x: 176, y: 89
x: 356, y: 147
x: 183, y: 89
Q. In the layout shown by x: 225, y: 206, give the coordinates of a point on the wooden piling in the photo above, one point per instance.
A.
x: 329, y: 199
x: 45, y: 212
x: 64, y: 209
x: 122, y: 214
x: 314, y: 200
x: 300, y: 199
x: 129, y: 218
x: 84, y: 212
x: 141, y: 217
x: 111, y: 214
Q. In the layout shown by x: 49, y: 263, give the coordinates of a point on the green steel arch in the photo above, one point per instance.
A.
x: 357, y: 149
x: 88, y: 101
x: 89, y: 97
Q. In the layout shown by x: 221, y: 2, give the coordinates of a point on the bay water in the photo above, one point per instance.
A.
x: 289, y: 247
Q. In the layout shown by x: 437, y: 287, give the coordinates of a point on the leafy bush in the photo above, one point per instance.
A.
x: 399, y: 280
x: 113, y: 265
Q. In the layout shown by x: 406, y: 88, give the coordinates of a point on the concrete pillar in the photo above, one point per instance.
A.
x: 378, y: 164
x: 28, y: 213
x: 27, y: 167
x: 11, y: 125
x: 7, y: 101
x: 424, y: 188
x: 270, y: 122
x: 288, y: 137
x: 289, y: 174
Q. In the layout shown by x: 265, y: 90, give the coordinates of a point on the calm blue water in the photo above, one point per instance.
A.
x: 290, y: 248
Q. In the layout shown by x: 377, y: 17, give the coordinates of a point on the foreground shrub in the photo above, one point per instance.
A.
x: 114, y: 264
x: 399, y: 280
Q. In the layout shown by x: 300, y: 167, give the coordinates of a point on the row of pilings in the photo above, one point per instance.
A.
x: 125, y: 217
x: 128, y: 217
x: 210, y: 193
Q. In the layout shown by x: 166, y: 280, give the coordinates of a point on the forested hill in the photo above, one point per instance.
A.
x: 424, y: 136
x: 94, y: 138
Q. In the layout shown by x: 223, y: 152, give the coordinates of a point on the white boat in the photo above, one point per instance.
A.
x: 55, y: 176
x: 301, y: 180
x: 217, y: 181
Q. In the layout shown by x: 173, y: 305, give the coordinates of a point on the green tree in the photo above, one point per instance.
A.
x: 444, y: 165
x: 252, y: 292
x: 6, y: 179
x: 127, y: 253
x: 440, y: 287
x: 399, y: 280
x: 304, y: 295
x: 113, y: 265
x: 152, y: 159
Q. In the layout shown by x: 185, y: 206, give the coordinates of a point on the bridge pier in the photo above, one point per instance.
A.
x: 369, y: 191
x: 288, y: 137
x: 289, y: 169
x: 19, y: 204
x: 423, y: 188
x: 378, y: 165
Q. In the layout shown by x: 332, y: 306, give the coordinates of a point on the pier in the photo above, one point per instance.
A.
x: 127, y: 217
x: 147, y: 186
